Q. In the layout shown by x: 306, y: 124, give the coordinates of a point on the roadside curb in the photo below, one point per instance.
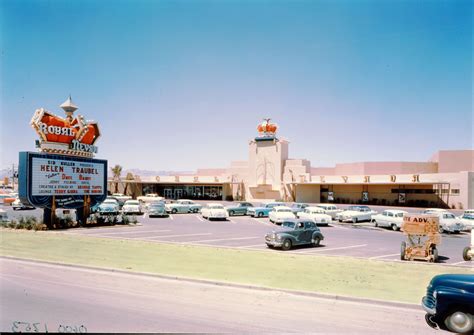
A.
x: 320, y: 295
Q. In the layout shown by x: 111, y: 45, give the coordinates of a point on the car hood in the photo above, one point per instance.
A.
x: 460, y: 281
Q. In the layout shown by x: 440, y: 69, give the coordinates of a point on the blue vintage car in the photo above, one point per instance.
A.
x: 449, y: 303
x: 263, y: 211
x: 239, y: 208
x: 294, y: 232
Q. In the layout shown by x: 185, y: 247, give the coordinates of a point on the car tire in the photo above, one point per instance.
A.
x: 465, y: 254
x: 286, y: 244
x: 394, y: 227
x: 434, y: 252
x: 260, y: 215
x: 403, y: 249
x: 375, y: 223
x: 459, y: 322
x: 269, y: 246
x: 440, y: 230
x: 15, y: 208
x: 231, y: 213
x: 174, y: 211
x: 355, y: 220
x: 195, y: 210
x: 316, y: 242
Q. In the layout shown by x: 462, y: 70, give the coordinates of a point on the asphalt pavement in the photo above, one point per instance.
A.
x: 362, y: 240
x: 69, y: 299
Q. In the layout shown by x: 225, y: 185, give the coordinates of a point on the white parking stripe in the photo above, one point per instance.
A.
x: 182, y: 235
x: 231, y: 220
x: 264, y: 222
x: 383, y: 256
x: 227, y: 239
x: 135, y: 232
x: 330, y: 249
x: 199, y: 218
x: 171, y: 217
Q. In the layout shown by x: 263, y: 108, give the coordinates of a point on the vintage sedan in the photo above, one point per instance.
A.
x: 330, y: 209
x: 263, y: 211
x: 449, y: 223
x: 281, y: 213
x: 294, y: 232
x: 214, y: 211
x: 389, y: 218
x: 183, y: 206
x: 356, y: 214
x: 467, y: 219
x: 18, y: 205
x: 298, y: 207
x: 132, y: 207
x: 239, y: 208
x: 150, y: 197
x: 157, y: 209
x: 108, y: 207
x: 317, y: 215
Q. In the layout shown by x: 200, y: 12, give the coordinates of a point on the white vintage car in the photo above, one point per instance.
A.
x: 330, y: 209
x: 448, y: 222
x: 183, y: 206
x: 316, y: 214
x: 356, y: 214
x: 281, y: 213
x: 132, y: 207
x: 214, y: 211
x: 150, y: 197
x: 467, y: 219
x: 390, y: 218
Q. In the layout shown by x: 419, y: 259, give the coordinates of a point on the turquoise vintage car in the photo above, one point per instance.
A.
x: 294, y: 232
x: 263, y: 211
x: 157, y: 209
x: 239, y: 208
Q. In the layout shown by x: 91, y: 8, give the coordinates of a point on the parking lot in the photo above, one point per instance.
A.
x: 362, y: 240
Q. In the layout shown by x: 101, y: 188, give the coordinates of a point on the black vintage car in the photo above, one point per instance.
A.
x: 449, y: 303
x: 294, y: 232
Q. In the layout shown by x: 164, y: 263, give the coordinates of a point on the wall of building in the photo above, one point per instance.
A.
x: 308, y: 193
x: 454, y: 160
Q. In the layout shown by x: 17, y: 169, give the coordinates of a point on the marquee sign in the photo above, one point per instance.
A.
x: 68, y: 136
x: 44, y: 178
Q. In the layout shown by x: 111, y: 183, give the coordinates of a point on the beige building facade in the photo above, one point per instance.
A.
x: 446, y: 180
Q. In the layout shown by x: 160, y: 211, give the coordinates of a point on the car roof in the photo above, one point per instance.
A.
x: 436, y: 210
x: 282, y: 207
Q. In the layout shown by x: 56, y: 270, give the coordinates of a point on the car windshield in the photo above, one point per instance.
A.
x: 216, y: 206
x: 283, y: 210
x: 449, y: 216
x: 156, y: 205
x: 316, y: 212
x: 109, y: 202
x: 468, y: 216
x: 399, y: 215
x: 288, y: 224
x: 354, y: 208
x: 133, y: 202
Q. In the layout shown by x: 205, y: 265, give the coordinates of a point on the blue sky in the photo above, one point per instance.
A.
x: 178, y: 85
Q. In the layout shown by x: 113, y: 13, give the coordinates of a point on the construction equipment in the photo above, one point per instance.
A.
x: 468, y: 252
x: 422, y: 231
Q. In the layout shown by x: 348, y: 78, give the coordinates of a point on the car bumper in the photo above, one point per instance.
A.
x: 429, y: 310
x: 274, y: 243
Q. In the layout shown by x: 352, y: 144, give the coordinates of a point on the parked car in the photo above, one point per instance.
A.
x: 150, y: 197
x: 183, y: 206
x: 317, y: 215
x: 214, y: 211
x: 132, y: 207
x: 433, y: 210
x: 449, y: 303
x: 108, y: 207
x: 390, y: 218
x: 330, y: 209
x: 356, y: 214
x: 157, y: 209
x: 467, y: 219
x: 294, y: 232
x: 448, y: 222
x: 264, y: 210
x: 18, y: 205
x: 121, y: 198
x: 239, y: 208
x: 298, y: 207
x: 281, y: 213
x: 8, y: 199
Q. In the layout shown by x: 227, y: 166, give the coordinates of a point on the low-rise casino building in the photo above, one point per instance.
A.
x: 446, y: 180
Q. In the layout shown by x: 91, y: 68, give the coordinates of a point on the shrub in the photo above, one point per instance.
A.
x: 12, y: 224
